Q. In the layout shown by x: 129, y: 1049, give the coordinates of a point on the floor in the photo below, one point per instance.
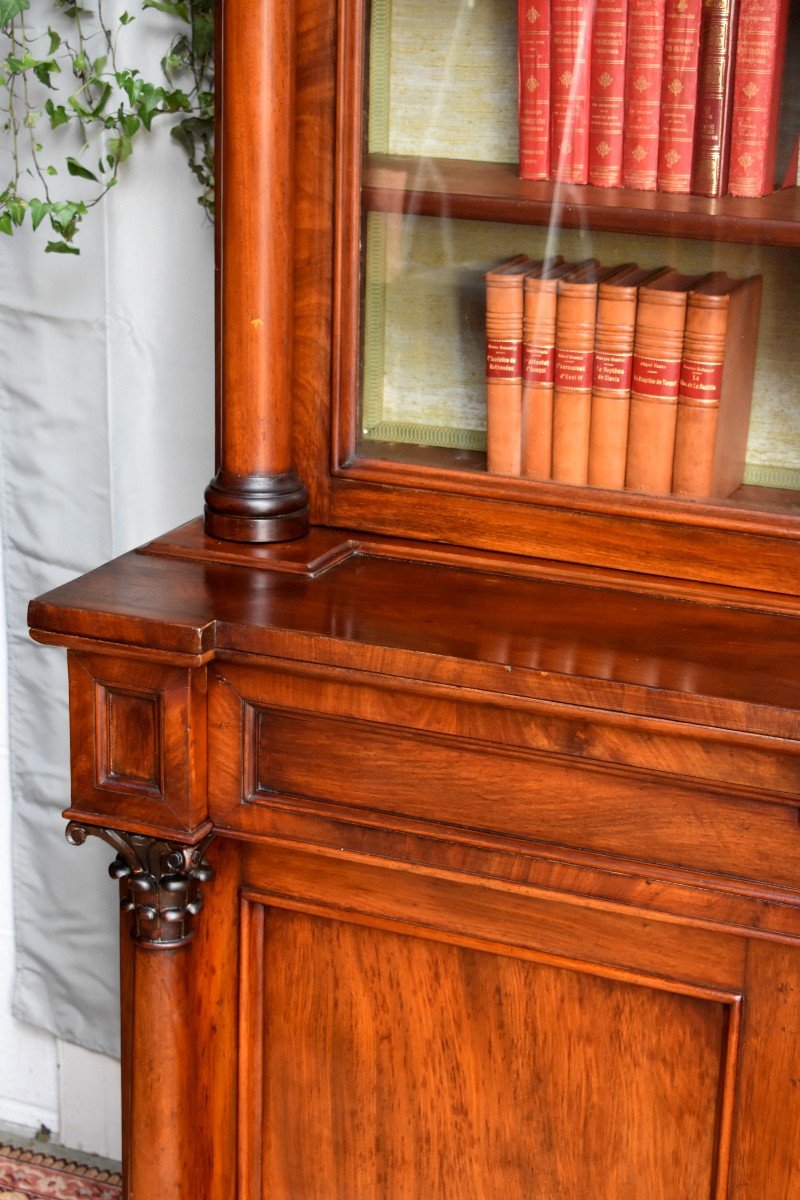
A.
x: 41, y: 1142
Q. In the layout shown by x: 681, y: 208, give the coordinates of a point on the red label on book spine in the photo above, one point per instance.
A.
x: 612, y: 372
x: 607, y: 93
x: 538, y: 364
x: 678, y: 95
x: 534, y: 88
x: 701, y: 383
x: 574, y: 370
x: 571, y: 40
x: 756, y: 96
x: 643, y: 94
x: 656, y: 378
x: 503, y: 360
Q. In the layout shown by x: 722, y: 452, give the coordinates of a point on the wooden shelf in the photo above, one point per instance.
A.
x: 439, y: 187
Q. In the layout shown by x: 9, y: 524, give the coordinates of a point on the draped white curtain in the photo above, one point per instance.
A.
x: 106, y: 440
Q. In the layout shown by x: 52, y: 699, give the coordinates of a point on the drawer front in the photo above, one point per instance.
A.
x: 275, y: 735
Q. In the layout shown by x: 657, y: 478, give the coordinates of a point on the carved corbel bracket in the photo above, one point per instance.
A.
x: 161, y: 882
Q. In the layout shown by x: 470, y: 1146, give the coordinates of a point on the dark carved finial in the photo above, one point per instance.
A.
x: 162, y: 882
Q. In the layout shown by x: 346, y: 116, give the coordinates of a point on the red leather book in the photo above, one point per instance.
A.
x: 538, y: 365
x: 607, y: 93
x: 719, y: 357
x: 572, y: 395
x: 679, y: 94
x: 504, y: 365
x: 533, y: 19
x: 613, y: 370
x: 714, y: 98
x: 643, y: 69
x: 570, y: 50
x: 657, y: 357
x: 758, y: 68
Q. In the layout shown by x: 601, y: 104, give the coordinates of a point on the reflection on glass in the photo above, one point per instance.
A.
x: 441, y: 110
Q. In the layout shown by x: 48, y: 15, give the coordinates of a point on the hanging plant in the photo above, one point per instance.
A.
x: 73, y: 109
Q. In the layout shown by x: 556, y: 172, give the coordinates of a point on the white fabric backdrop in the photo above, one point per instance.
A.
x: 106, y: 439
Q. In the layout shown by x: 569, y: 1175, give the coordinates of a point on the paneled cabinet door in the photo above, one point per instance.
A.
x: 412, y: 1036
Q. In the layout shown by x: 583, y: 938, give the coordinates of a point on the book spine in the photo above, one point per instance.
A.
x: 572, y: 393
x: 714, y: 95
x: 569, y: 118
x: 716, y: 390
x: 679, y: 95
x: 643, y: 70
x: 534, y: 88
x: 699, y: 395
x: 504, y: 376
x: 538, y: 375
x: 658, y: 349
x: 607, y: 93
x: 756, y: 96
x: 611, y: 386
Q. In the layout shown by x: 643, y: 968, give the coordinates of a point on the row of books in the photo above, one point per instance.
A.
x: 666, y: 95
x: 620, y: 377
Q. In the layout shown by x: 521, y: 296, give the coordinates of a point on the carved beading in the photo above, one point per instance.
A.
x: 161, y: 881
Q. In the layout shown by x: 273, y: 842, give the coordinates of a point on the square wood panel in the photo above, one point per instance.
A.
x: 129, y: 738
x: 389, y: 1067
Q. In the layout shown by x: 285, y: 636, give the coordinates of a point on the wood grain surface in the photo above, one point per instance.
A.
x: 402, y: 1068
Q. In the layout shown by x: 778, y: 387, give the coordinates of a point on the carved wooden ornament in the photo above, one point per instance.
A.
x: 162, y: 888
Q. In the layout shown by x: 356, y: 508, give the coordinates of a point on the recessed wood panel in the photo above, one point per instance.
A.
x: 130, y: 749
x: 400, y: 1069
x: 364, y: 766
x: 736, y: 760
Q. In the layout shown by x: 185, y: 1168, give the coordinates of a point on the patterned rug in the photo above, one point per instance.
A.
x: 25, y: 1175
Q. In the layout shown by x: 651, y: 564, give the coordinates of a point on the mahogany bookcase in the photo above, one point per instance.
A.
x: 456, y: 816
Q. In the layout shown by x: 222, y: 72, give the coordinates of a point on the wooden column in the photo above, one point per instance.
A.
x: 256, y: 495
x: 179, y: 1053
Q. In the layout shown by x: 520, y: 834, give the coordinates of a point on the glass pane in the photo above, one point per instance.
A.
x: 443, y: 204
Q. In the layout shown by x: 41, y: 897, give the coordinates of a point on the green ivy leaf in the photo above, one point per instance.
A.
x: 57, y: 113
x: 10, y: 9
x: 39, y: 210
x: 16, y: 209
x: 17, y: 65
x: 60, y: 248
x: 126, y: 19
x: 44, y: 69
x: 120, y: 148
x: 55, y: 41
x: 203, y: 35
x: 5, y: 224
x: 76, y: 168
x: 175, y: 8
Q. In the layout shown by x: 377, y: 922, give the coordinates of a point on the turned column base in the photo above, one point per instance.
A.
x: 256, y: 508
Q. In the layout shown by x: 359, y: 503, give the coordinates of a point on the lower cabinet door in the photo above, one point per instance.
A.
x: 414, y: 1037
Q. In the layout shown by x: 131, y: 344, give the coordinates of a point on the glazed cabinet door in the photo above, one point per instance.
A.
x: 406, y: 1035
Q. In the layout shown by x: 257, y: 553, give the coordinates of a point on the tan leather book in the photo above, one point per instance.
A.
x: 611, y: 380
x: 572, y: 395
x: 716, y: 386
x: 504, y: 365
x: 657, y: 356
x: 538, y: 365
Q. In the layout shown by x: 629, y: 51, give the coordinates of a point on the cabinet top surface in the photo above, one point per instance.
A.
x: 592, y: 640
